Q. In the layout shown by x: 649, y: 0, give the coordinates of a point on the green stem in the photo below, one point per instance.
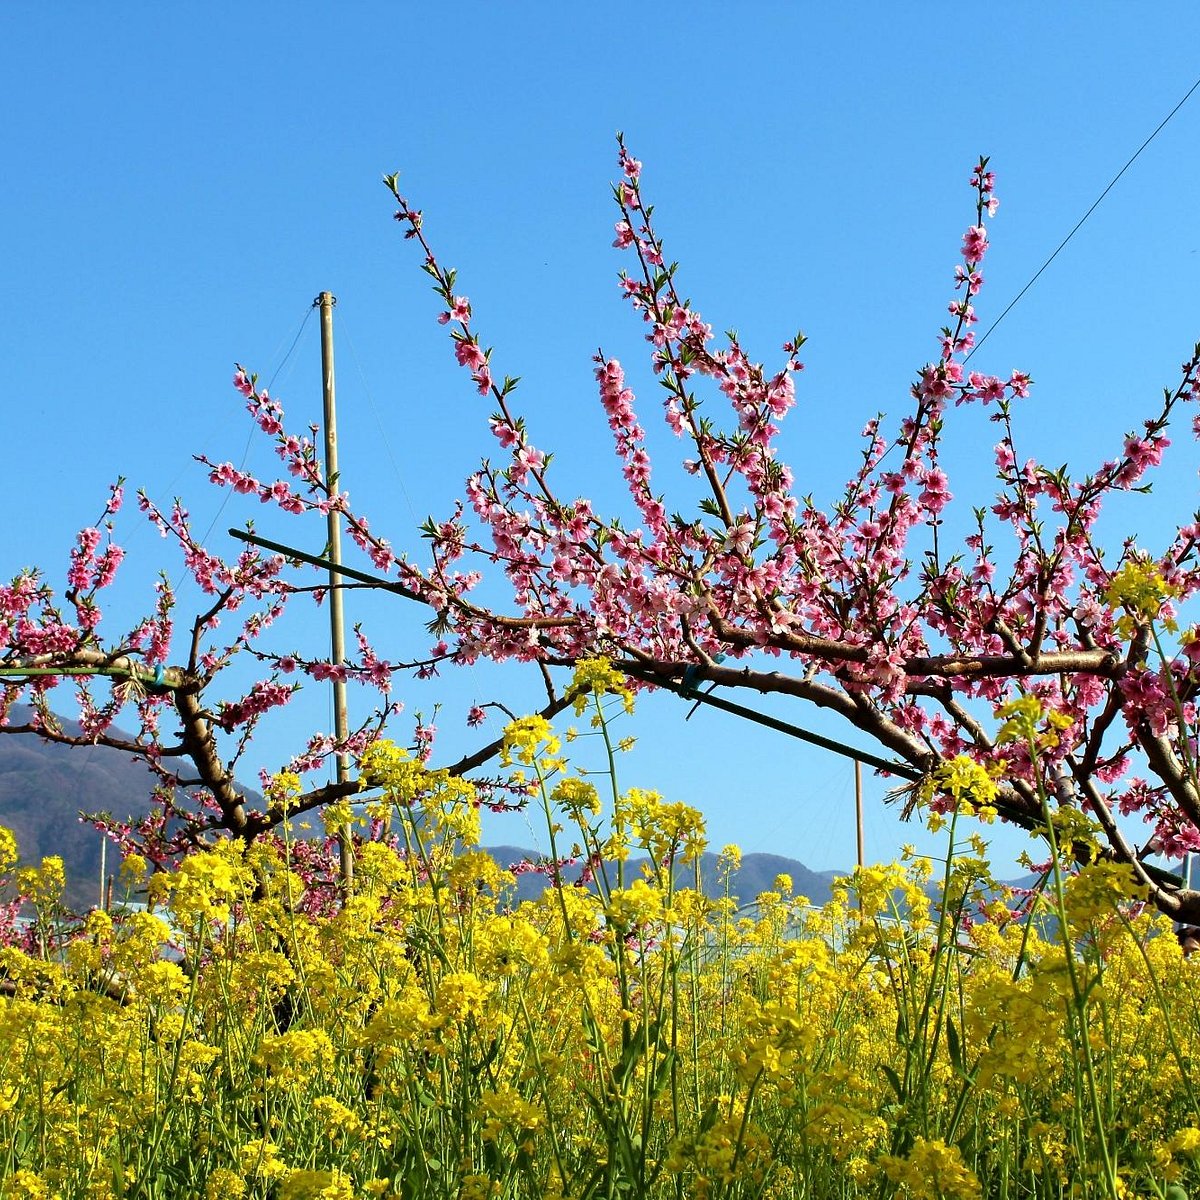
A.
x: 1076, y: 991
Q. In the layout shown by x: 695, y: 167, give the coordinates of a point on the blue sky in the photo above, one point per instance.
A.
x: 183, y: 180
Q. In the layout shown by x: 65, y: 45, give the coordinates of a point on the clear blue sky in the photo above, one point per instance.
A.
x: 182, y: 180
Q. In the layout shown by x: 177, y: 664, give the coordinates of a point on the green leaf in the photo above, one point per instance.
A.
x: 663, y: 1075
x: 954, y: 1046
x: 642, y: 1042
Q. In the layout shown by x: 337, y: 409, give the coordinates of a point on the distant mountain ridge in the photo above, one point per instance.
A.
x: 44, y: 787
x: 756, y: 873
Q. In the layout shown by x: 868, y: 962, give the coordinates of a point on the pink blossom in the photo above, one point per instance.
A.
x: 460, y: 310
x: 1018, y: 383
x: 975, y: 243
x: 107, y: 564
x: 468, y: 353
x: 324, y: 672
x: 505, y: 434
x: 972, y: 279
x: 986, y: 387
x: 936, y: 493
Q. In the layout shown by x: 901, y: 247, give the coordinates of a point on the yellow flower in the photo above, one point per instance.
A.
x: 133, y: 871
x: 634, y: 907
x: 44, y: 884
x: 316, y: 1185
x: 338, y: 816
x: 1024, y: 718
x: 505, y: 1108
x: 528, y: 738
x: 1186, y: 1143
x: 1096, y: 890
x: 26, y: 1185
x: 224, y: 1184
x: 295, y: 1056
x: 1140, y: 589
x: 932, y: 1171
x: 338, y: 1121
x: 377, y: 865
x: 261, y: 1159
x: 507, y: 945
x: 460, y: 995
x: 661, y: 829
x: 205, y: 885
x: 576, y: 797
x: 387, y: 766
x: 596, y: 677
x: 476, y: 870
x: 967, y: 783
x: 283, y: 789
x: 8, y: 849
x: 478, y: 1187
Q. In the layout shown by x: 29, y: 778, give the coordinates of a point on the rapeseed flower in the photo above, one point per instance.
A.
x: 43, y: 885
x: 932, y: 1170
x: 316, y: 1185
x: 260, y: 1158
x: 596, y: 677
x: 224, y: 1184
x: 969, y: 786
x: 753, y: 1051
x: 1140, y: 589
x: 26, y: 1185
x: 1095, y: 891
x: 1029, y: 721
x: 637, y: 907
x: 527, y: 739
x: 9, y: 855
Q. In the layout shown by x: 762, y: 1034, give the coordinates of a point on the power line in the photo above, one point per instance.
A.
x: 1136, y: 154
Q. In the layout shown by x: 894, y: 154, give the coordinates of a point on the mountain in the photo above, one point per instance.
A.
x: 45, y: 786
x: 756, y: 874
x: 43, y: 789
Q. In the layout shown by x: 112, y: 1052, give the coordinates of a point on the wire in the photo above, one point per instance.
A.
x: 295, y: 341
x: 1136, y: 154
x: 226, y: 492
x: 387, y: 445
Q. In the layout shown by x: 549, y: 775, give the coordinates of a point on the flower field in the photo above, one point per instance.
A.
x: 257, y: 1035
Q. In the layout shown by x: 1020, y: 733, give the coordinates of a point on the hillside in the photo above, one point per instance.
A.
x: 756, y: 874
x: 44, y: 787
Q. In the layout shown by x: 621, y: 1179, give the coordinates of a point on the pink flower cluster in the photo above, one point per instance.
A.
x: 878, y: 607
x: 262, y: 697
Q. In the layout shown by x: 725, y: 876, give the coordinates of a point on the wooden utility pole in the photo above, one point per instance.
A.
x: 337, y: 627
x: 858, y: 814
